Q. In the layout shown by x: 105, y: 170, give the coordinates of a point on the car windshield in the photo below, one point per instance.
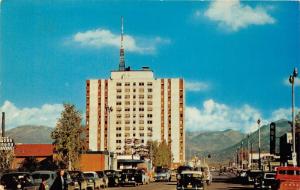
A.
x: 100, y: 174
x: 129, y: 171
x: 270, y: 176
x: 41, y: 176
x: 74, y: 175
x: 88, y: 175
x: 189, y: 176
x: 162, y: 170
x: 109, y: 172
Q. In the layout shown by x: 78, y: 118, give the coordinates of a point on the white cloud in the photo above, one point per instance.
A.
x: 233, y: 15
x: 214, y: 116
x: 46, y: 115
x: 287, y: 82
x: 100, y: 38
x: 196, y: 86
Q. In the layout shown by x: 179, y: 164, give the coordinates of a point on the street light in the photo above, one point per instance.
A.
x: 292, y: 81
x: 108, y: 109
x: 259, y: 159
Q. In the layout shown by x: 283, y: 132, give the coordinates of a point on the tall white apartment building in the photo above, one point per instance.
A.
x: 133, y: 104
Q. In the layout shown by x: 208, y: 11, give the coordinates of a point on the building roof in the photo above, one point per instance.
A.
x: 36, y: 150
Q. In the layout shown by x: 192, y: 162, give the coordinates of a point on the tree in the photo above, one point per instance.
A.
x: 160, y: 153
x: 6, y: 159
x: 68, y: 138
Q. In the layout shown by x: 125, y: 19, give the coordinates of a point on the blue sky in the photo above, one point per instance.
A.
x: 235, y: 56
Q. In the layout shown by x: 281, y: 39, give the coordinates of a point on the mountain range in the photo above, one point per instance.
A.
x: 221, y: 145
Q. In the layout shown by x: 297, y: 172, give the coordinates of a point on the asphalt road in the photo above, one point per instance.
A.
x: 223, y: 182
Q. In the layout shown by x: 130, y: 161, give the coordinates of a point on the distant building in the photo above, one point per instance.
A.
x: 132, y: 107
x: 286, y: 149
x: 40, y: 152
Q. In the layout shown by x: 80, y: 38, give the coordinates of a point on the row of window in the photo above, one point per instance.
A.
x: 134, y: 128
x: 127, y: 109
x: 128, y: 122
x: 141, y: 90
x: 134, y: 115
x: 134, y: 103
x: 134, y: 135
x: 134, y: 84
x: 134, y: 96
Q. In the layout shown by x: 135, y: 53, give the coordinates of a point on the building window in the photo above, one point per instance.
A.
x: 141, y: 84
x: 127, y: 96
x: 134, y: 90
x: 141, y: 122
x: 149, y: 115
x: 119, y: 109
x: 127, y: 83
x: 149, y: 89
x: 134, y: 84
x: 127, y: 90
x: 119, y: 84
x: 141, y: 109
x: 119, y: 97
x: 141, y: 134
x: 141, y: 90
x: 119, y: 129
x: 127, y: 115
x: 150, y: 96
x: 127, y: 128
x: 141, y: 103
x: 127, y: 103
x: 149, y: 103
x: 119, y: 90
x: 149, y: 122
x: 118, y: 135
x: 118, y: 122
x: 118, y: 141
x: 127, y: 122
x: 150, y: 129
x: 134, y: 96
x: 141, y: 96
x: 141, y: 115
x: 119, y: 103
x: 149, y: 83
x: 149, y: 108
x: 119, y: 116
x: 141, y: 128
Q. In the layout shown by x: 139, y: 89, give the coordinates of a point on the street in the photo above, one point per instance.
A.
x: 223, y: 182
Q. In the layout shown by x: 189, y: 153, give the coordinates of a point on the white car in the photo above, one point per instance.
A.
x: 94, y: 181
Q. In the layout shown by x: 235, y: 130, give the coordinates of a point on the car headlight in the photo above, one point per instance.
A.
x: 90, y: 180
x: 19, y: 186
x: 132, y: 178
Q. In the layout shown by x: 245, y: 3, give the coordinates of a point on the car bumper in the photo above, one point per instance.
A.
x: 161, y: 178
x: 189, y: 188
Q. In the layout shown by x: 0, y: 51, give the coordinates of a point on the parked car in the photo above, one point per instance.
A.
x: 130, y: 177
x: 288, y: 177
x: 49, y: 176
x: 191, y: 180
x: 94, y: 181
x: 266, y: 181
x: 252, y: 175
x: 18, y: 180
x: 162, y: 174
x: 113, y: 177
x: 104, y: 178
x: 142, y: 177
x: 206, y: 173
x: 78, y: 180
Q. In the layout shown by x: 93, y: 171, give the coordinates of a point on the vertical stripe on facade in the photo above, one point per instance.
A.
x: 87, y: 117
x: 169, y: 113
x: 106, y: 116
x: 99, y: 116
x: 181, y: 120
x: 162, y: 130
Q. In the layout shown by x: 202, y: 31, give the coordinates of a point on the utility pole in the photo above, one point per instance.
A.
x: 292, y: 81
x: 259, y: 159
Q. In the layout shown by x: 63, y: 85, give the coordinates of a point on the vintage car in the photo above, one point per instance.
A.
x: 288, y: 178
x: 133, y: 177
x: 49, y: 176
x: 94, y: 181
x: 18, y: 180
x: 113, y: 177
x: 266, y: 181
x: 191, y: 180
x: 104, y: 178
x: 206, y: 173
x: 162, y: 174
x: 78, y: 180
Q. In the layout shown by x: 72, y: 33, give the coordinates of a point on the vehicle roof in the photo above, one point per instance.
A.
x: 191, y: 172
x: 43, y: 172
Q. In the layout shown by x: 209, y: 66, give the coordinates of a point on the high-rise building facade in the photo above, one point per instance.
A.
x: 134, y: 105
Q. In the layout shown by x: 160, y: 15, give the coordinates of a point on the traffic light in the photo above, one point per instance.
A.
x: 272, y: 138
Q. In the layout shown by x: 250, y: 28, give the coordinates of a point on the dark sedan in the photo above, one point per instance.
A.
x: 191, y: 180
x: 113, y: 177
x: 17, y: 180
